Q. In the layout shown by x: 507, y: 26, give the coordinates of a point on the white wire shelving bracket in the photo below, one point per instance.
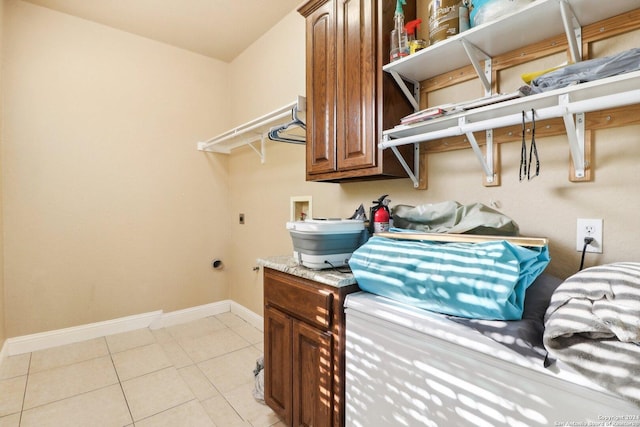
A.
x: 412, y: 173
x: 476, y: 55
x: 253, y: 131
x: 572, y: 29
x: 479, y: 44
x: 412, y: 96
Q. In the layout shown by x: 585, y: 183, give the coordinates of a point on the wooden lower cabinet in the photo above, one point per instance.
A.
x: 277, y: 327
x: 304, y: 349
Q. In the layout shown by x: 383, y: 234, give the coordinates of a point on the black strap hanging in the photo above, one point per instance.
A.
x: 523, y: 152
x: 533, y: 150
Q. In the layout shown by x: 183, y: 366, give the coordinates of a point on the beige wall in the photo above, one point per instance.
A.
x: 2, y: 305
x: 547, y: 206
x: 109, y: 209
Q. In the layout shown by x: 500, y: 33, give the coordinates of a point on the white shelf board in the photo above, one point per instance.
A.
x: 538, y: 21
x: 252, y: 131
x: 609, y: 87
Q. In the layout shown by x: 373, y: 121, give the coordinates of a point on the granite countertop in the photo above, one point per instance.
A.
x: 287, y: 264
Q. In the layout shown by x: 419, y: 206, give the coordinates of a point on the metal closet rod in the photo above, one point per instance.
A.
x: 255, y: 129
x: 247, y: 128
x: 560, y: 110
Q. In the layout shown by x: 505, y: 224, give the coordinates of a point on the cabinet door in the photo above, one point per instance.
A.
x: 321, y: 87
x: 277, y: 362
x: 312, y: 373
x: 356, y: 130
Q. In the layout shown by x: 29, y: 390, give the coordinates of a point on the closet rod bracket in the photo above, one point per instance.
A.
x: 485, y: 162
x: 262, y: 153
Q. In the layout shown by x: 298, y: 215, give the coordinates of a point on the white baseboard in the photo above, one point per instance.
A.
x: 152, y: 320
x: 190, y: 314
x: 43, y: 340
x: 252, y: 318
x: 3, y: 353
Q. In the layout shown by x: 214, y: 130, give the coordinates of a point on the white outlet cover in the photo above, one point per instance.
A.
x: 583, y: 225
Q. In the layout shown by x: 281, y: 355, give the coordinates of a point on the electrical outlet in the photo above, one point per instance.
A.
x: 589, y: 228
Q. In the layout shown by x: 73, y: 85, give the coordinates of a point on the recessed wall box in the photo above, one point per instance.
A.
x: 301, y: 208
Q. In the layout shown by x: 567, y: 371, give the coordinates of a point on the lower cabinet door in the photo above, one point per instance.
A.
x: 312, y: 374
x: 277, y: 362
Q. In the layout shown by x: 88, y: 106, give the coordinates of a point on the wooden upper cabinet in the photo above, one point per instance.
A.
x: 321, y: 89
x: 356, y: 84
x: 347, y: 92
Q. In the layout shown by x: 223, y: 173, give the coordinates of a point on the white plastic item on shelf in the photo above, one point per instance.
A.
x: 482, y: 11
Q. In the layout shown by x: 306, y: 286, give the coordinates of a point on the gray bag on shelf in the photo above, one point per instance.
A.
x: 586, y: 71
x: 452, y: 217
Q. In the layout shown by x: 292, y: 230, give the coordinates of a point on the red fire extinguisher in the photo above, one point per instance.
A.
x: 380, y: 215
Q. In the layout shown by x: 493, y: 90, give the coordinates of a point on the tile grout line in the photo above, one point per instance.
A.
x: 24, y: 395
x: 124, y: 395
x: 168, y: 409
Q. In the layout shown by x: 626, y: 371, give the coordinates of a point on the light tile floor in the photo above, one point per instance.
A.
x: 194, y: 374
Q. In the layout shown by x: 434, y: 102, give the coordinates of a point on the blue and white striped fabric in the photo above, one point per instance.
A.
x: 474, y: 280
